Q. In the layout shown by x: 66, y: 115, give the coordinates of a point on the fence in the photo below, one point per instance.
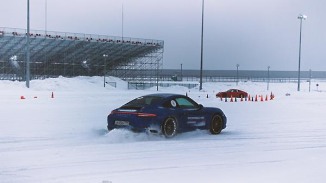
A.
x: 240, y: 79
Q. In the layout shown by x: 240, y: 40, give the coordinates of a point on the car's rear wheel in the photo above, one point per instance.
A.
x: 169, y: 127
x: 109, y: 128
x: 216, y: 124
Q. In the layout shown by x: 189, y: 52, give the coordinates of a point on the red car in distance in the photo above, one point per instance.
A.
x: 235, y: 93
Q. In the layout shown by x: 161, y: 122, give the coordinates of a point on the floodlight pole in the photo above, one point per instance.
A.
x: 301, y: 17
x: 202, y: 47
x: 181, y: 73
x: 104, y: 70
x: 157, y: 74
x: 309, y: 79
x: 46, y: 16
x: 237, y: 74
x: 268, y: 77
x: 122, y: 21
x: 27, y: 49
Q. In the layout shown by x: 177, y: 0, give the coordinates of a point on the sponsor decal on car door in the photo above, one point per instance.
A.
x: 192, y: 116
x: 196, y: 120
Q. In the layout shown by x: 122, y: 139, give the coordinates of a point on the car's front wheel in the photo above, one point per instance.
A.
x: 216, y: 124
x: 169, y: 127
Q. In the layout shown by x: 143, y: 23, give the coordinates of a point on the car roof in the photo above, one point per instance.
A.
x: 235, y: 89
x: 164, y: 95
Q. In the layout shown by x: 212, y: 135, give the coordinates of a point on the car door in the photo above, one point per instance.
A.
x: 192, y: 115
x: 233, y: 93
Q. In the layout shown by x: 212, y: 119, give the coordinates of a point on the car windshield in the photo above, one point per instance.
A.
x: 142, y: 101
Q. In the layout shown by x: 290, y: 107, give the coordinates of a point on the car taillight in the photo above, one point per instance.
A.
x: 146, y: 115
x: 139, y: 114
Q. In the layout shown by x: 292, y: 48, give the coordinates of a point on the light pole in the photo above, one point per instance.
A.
x: 300, y: 17
x: 27, y: 49
x: 181, y: 73
x: 157, y: 74
x: 268, y: 77
x: 46, y: 16
x: 122, y: 21
x: 104, y: 70
x: 202, y: 48
x: 237, y: 73
x: 309, y: 79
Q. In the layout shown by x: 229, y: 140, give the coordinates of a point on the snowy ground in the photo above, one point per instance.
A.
x: 64, y: 139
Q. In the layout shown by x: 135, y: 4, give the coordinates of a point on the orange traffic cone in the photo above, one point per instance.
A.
x: 271, y: 96
x: 248, y: 97
x: 261, y: 98
x: 231, y: 99
x: 22, y: 97
x: 266, y: 98
x: 256, y: 99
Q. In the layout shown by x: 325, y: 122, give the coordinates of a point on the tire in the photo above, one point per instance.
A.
x: 169, y: 127
x: 216, y: 125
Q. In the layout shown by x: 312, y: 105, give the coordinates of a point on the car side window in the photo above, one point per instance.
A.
x: 170, y: 104
x: 185, y: 103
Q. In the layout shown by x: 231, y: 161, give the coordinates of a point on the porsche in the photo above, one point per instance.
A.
x: 167, y: 115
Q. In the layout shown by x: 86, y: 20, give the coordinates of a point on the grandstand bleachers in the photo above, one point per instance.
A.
x: 55, y: 54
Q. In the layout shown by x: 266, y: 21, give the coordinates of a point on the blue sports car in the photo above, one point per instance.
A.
x: 166, y: 114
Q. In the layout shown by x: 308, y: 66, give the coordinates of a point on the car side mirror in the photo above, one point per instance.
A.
x: 200, y: 106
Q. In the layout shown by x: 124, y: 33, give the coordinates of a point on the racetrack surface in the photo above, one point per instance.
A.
x: 64, y: 139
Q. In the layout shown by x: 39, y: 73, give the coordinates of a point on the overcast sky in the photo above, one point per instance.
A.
x: 252, y: 33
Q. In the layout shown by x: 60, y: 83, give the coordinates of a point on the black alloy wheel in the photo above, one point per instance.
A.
x: 169, y: 127
x: 216, y: 124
